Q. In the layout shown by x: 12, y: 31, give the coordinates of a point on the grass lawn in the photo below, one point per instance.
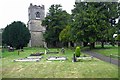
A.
x: 55, y: 69
x: 0, y: 70
x: 108, y: 50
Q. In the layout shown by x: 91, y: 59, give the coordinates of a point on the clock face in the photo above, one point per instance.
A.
x: 37, y: 15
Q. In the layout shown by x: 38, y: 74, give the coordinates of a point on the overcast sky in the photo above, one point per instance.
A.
x: 17, y: 10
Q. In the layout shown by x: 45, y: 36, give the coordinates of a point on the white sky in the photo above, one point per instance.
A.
x: 17, y: 10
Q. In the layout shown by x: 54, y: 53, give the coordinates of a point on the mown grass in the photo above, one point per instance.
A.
x: 0, y: 65
x: 54, y: 69
x: 108, y: 50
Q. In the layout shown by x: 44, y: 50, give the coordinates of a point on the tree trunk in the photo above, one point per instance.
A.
x: 92, y: 45
x: 118, y: 43
x: 85, y: 44
x: 69, y: 45
x: 72, y: 44
x: 118, y: 49
x: 54, y: 44
x: 102, y: 44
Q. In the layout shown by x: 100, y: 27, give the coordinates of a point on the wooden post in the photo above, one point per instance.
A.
x: 74, y: 58
x: 110, y: 57
x: 18, y: 52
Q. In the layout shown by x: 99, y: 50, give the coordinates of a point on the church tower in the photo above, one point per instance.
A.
x: 36, y: 14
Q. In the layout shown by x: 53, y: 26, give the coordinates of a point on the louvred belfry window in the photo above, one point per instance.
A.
x: 37, y: 14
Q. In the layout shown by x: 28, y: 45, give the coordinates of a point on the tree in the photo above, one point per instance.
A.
x: 16, y: 35
x: 55, y: 21
x: 85, y: 22
x: 110, y: 10
x: 118, y: 32
x: 64, y: 35
x: 91, y: 21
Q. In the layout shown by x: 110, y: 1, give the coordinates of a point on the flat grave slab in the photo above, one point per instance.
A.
x: 52, y: 52
x: 56, y: 58
x: 37, y: 54
x: 26, y: 60
x: 85, y: 58
x: 34, y: 57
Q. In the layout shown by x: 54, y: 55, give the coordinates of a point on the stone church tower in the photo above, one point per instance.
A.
x: 36, y: 14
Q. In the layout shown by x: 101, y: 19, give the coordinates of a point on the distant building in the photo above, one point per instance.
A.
x: 36, y: 14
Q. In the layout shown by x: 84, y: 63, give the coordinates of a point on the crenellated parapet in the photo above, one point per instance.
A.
x: 36, y: 12
x: 37, y: 6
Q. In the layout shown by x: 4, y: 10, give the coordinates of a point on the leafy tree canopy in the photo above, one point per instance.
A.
x: 91, y: 21
x: 55, y: 21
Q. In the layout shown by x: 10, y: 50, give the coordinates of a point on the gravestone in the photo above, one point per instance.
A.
x: 10, y: 49
x: 62, y: 50
x: 47, y: 50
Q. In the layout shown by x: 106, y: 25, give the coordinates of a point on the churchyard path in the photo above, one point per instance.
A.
x: 103, y: 58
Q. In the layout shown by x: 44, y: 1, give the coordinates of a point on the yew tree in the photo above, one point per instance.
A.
x: 16, y: 35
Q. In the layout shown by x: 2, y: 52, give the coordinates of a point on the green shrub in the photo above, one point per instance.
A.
x: 16, y: 35
x: 77, y: 51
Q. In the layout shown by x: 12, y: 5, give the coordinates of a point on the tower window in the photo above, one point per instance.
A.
x: 37, y: 14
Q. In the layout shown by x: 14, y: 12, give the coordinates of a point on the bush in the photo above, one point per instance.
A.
x: 16, y: 35
x: 77, y: 52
